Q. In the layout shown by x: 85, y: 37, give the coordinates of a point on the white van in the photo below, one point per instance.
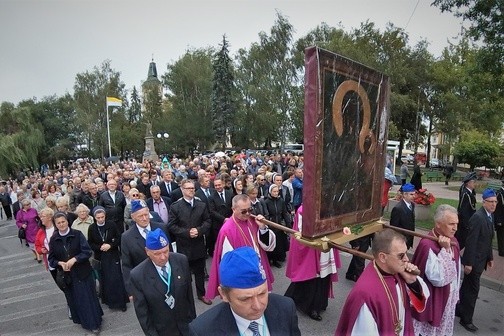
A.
x: 296, y: 149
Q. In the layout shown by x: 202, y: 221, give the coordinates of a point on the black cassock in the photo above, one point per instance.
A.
x: 112, y: 290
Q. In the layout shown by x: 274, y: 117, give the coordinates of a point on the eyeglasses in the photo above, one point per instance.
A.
x: 399, y: 256
x: 135, y: 195
x: 190, y: 188
x: 245, y: 211
x: 490, y: 201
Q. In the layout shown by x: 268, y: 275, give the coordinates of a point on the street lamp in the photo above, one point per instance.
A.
x: 163, y: 135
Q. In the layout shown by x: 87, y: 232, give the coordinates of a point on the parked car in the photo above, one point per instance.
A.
x: 434, y: 163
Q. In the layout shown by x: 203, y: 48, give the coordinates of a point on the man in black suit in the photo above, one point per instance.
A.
x: 478, y: 256
x: 133, y: 240
x: 162, y: 291
x: 204, y: 192
x: 499, y: 220
x: 144, y: 184
x: 189, y: 221
x: 403, y: 214
x: 466, y: 207
x: 114, y: 203
x: 220, y: 209
x: 167, y: 185
x: 242, y: 276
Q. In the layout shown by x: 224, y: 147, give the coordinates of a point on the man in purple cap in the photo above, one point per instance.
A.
x: 403, y: 214
x: 133, y: 240
x: 478, y: 256
x: 248, y: 308
x: 161, y: 288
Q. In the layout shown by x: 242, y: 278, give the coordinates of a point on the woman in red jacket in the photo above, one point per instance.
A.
x: 44, y: 235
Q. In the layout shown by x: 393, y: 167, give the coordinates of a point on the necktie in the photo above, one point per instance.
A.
x: 146, y: 232
x: 164, y: 273
x: 255, y: 328
x: 207, y: 192
x: 168, y: 187
x: 222, y: 197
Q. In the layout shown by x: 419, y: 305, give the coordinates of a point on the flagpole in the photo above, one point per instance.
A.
x: 108, y: 129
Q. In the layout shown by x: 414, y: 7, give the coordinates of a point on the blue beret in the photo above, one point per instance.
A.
x: 97, y: 209
x: 137, y: 205
x: 156, y: 240
x: 488, y: 193
x: 408, y: 187
x: 241, y: 268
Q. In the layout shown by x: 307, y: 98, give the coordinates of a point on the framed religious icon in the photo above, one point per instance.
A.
x: 345, y: 140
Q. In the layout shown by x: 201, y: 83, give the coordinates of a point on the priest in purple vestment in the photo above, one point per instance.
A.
x: 385, y: 294
x: 439, y: 264
x: 312, y: 273
x: 241, y: 230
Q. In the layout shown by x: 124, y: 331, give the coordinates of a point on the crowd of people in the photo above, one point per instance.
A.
x: 143, y: 230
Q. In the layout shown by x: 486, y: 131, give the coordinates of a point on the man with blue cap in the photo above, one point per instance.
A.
x: 403, y: 214
x: 478, y: 256
x: 161, y: 288
x: 248, y: 308
x: 133, y: 240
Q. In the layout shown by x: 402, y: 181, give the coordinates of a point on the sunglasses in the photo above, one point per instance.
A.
x: 135, y: 195
x: 245, y: 211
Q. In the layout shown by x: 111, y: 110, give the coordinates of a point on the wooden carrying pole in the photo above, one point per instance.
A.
x: 338, y: 246
x: 411, y: 233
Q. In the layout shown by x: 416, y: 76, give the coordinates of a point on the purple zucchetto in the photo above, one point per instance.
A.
x: 241, y: 268
x: 137, y: 205
x: 156, y: 240
x: 488, y: 193
x: 408, y: 187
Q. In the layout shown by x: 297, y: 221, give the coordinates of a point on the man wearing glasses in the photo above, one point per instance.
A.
x: 242, y: 230
x: 189, y: 221
x: 478, y: 256
x: 382, y: 299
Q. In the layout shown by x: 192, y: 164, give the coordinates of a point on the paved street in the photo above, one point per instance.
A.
x: 31, y: 304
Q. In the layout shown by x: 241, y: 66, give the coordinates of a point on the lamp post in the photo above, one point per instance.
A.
x: 163, y: 135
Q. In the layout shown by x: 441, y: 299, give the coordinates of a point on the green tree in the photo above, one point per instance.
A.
x: 189, y: 83
x: 476, y: 149
x: 56, y: 118
x: 267, y: 81
x: 223, y: 95
x: 487, y: 24
x: 135, y: 109
x: 22, y: 139
x: 90, y: 91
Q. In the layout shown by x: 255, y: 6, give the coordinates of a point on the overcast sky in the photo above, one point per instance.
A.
x: 45, y: 43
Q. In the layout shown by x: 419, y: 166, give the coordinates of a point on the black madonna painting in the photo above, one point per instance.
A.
x: 345, y: 135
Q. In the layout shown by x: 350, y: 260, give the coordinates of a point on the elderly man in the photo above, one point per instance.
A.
x: 248, y: 308
x: 220, y: 209
x: 114, y: 203
x: 162, y: 291
x: 133, y: 240
x: 159, y: 204
x: 403, y: 214
x: 439, y: 263
x: 478, y: 256
x: 189, y: 221
x: 240, y: 230
x: 381, y: 301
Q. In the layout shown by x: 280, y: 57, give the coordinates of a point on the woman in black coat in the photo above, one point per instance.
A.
x: 278, y: 213
x: 70, y: 252
x: 105, y: 240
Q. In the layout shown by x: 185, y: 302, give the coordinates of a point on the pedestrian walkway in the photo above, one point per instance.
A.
x: 492, y: 278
